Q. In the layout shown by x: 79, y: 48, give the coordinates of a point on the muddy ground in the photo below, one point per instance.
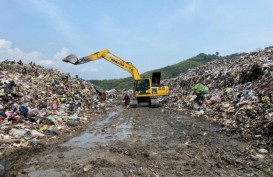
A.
x: 146, y: 142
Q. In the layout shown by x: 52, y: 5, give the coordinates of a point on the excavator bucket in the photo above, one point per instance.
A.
x: 71, y: 59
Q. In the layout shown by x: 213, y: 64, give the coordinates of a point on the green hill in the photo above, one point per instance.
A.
x: 167, y: 72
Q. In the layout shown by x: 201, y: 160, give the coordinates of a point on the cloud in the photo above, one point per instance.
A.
x: 50, y: 43
x: 57, y: 19
x: 61, y: 54
x: 180, y: 14
x: 7, y: 52
x: 89, y: 70
x: 193, y: 6
x: 4, y: 44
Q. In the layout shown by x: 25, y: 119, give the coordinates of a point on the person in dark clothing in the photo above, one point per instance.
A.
x: 14, y: 110
x: 103, y: 96
x: 199, y: 99
x: 23, y: 111
x: 24, y: 70
x: 20, y: 62
x: 9, y: 86
x: 126, y: 100
x: 35, y: 72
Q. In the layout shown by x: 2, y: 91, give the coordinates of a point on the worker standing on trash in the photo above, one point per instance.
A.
x: 54, y: 105
x: 200, y: 90
x: 126, y: 100
x: 103, y: 96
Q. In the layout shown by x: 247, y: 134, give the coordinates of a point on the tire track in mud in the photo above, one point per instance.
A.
x: 148, y: 142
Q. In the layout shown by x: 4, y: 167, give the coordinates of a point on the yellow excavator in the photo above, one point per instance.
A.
x: 144, y: 90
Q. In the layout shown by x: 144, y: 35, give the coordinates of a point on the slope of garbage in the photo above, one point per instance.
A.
x: 42, y: 105
x: 240, y: 99
x: 240, y: 95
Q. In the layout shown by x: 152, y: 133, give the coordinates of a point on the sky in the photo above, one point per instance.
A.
x: 151, y: 34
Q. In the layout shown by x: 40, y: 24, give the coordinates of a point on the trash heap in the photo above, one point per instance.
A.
x: 240, y: 93
x: 40, y: 105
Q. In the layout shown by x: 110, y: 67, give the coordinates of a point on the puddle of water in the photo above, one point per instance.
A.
x: 181, y: 118
x: 100, y: 133
x: 97, y: 133
x: 89, y: 138
x: 103, y: 122
x: 86, y: 140
x: 143, y: 136
x: 125, y: 131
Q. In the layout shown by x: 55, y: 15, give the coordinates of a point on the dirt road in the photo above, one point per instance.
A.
x: 146, y: 142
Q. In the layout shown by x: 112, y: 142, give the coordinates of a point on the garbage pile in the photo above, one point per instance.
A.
x: 239, y: 93
x: 39, y: 104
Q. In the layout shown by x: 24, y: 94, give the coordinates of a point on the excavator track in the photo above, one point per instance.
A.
x: 152, y: 104
x: 133, y: 103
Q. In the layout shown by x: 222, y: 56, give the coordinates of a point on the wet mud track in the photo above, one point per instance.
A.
x: 146, y: 142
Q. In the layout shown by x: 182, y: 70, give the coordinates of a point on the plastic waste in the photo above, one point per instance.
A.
x: 35, y: 133
x: 34, y: 141
x: 263, y: 151
x: 73, y: 123
x: 200, y: 88
x: 51, y: 132
x: 74, y: 116
x: 18, y: 133
x: 2, y: 168
x: 216, y: 98
x: 52, y: 118
x: 265, y: 99
x: 43, y: 128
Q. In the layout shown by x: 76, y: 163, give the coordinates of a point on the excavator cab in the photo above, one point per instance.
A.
x: 145, y: 90
x: 145, y: 86
x: 156, y: 77
x: 142, y: 86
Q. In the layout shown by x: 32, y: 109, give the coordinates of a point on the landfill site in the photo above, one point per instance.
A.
x: 56, y: 125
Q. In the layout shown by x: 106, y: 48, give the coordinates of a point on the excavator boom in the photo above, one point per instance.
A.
x: 107, y: 55
x: 144, y: 89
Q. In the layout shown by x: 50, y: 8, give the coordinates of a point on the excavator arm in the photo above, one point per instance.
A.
x: 107, y: 55
x: 144, y: 90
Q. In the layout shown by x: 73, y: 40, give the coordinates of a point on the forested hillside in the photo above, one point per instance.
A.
x: 167, y: 72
